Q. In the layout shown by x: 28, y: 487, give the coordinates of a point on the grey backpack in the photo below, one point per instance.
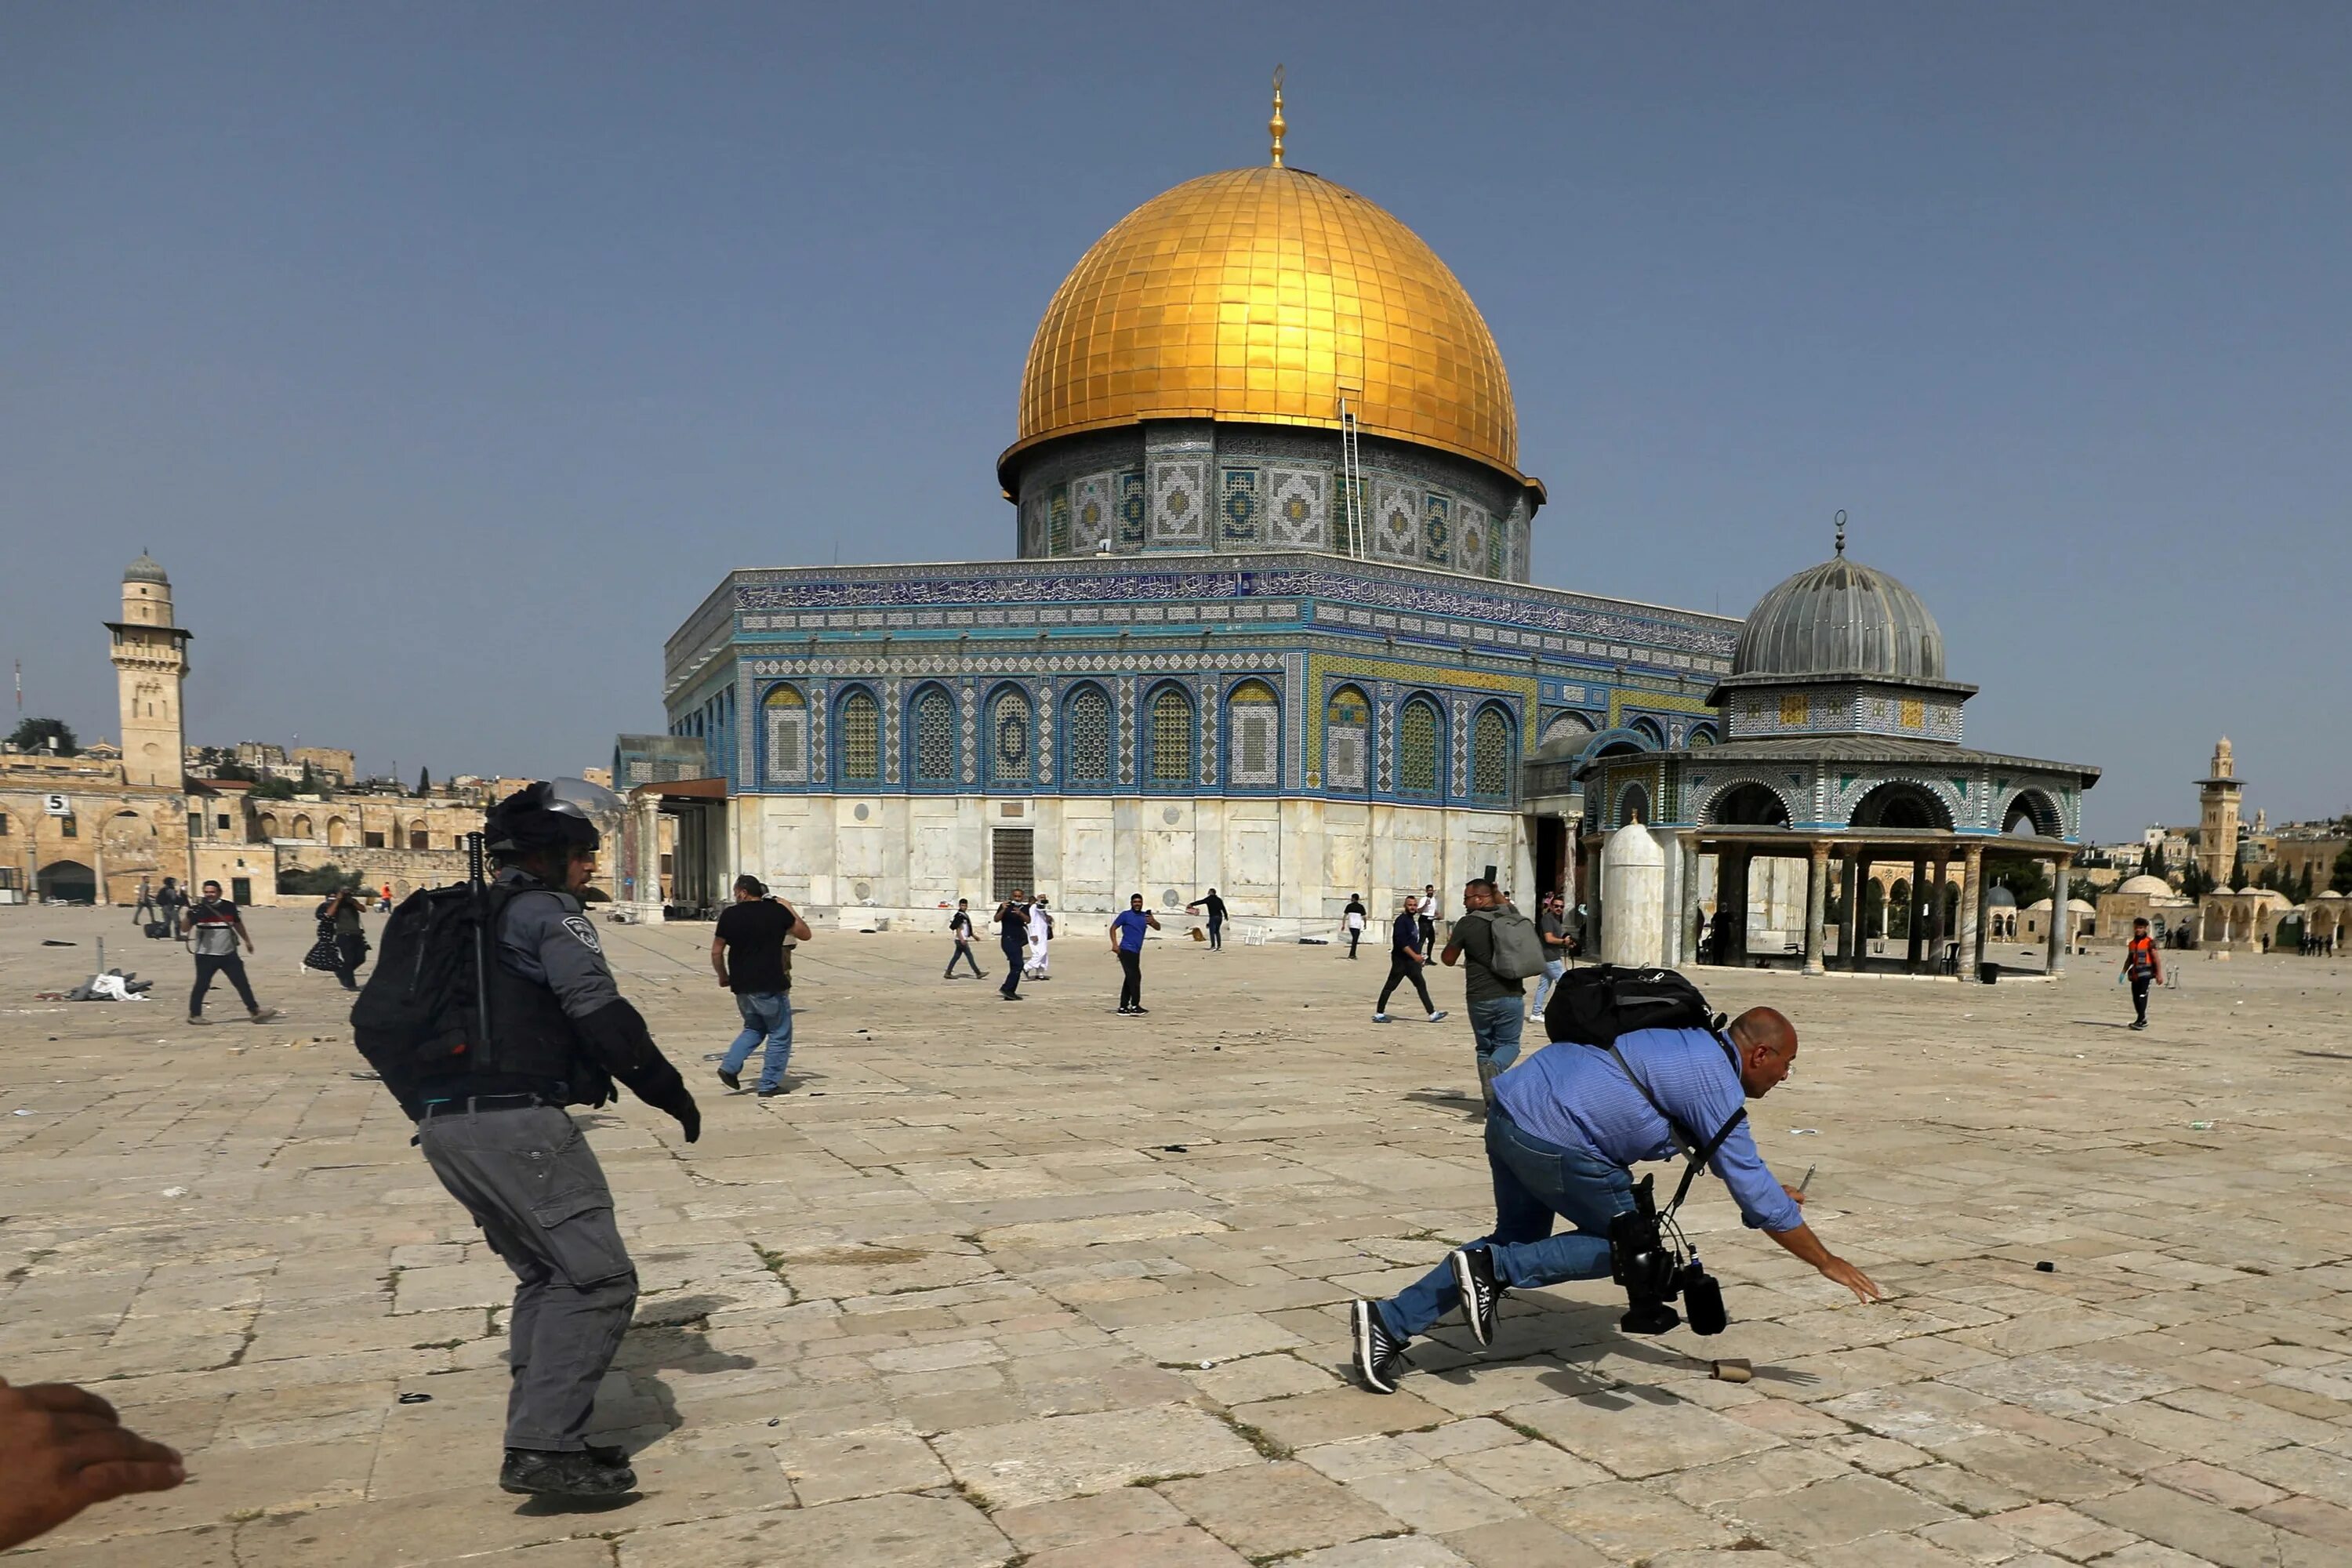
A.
x: 1519, y: 951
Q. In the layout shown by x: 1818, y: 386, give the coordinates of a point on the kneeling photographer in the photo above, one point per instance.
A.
x: 1641, y: 1072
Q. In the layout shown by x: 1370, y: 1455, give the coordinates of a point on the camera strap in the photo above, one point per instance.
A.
x: 1697, y: 1152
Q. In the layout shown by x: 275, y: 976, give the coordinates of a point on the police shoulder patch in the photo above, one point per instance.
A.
x: 578, y: 926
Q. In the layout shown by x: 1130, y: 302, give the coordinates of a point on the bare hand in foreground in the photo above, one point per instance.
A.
x: 63, y: 1448
x: 1863, y: 1287
x: 1796, y: 1195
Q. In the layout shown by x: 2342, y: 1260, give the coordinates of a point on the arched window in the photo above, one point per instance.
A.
x: 1490, y: 755
x: 339, y: 832
x: 1009, y: 761
x: 935, y: 736
x: 1173, y: 734
x: 1347, y: 738
x: 1633, y: 806
x: 301, y: 827
x: 1417, y: 733
x: 1252, y: 736
x: 417, y: 836
x: 784, y: 715
x: 268, y: 825
x: 861, y: 738
x: 1087, y: 729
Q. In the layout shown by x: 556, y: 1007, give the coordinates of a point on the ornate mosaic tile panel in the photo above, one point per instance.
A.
x: 1046, y: 732
x: 1208, y: 753
x: 1459, y: 731
x: 1491, y: 761
x: 1126, y: 752
x: 893, y: 728
x: 1180, y: 501
x: 1008, y: 738
x: 1130, y: 511
x: 1416, y: 748
x: 1239, y: 509
x: 861, y: 738
x: 786, y: 711
x: 1253, y: 736
x: 1090, y: 510
x: 817, y: 742
x: 1090, y: 737
x: 968, y: 733
x: 1347, y: 732
x: 1172, y: 739
x: 1057, y: 521
x: 1300, y: 511
x: 1471, y: 534
x: 1396, y: 522
x: 1437, y: 529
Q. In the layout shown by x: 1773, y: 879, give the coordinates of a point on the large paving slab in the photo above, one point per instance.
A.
x: 1041, y: 1280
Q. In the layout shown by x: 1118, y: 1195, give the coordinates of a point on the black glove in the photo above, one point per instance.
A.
x: 687, y: 1116
x: 667, y: 1091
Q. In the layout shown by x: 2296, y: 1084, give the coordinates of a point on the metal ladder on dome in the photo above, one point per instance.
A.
x: 1352, y: 481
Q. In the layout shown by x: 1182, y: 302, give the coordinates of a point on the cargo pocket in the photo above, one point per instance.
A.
x: 583, y: 1240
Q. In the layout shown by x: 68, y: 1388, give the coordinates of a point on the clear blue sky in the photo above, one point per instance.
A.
x: 446, y: 354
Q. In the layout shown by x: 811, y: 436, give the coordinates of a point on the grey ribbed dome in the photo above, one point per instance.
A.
x: 146, y: 569
x: 1841, y: 619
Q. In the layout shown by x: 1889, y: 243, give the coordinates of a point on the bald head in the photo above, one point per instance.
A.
x: 1767, y: 1043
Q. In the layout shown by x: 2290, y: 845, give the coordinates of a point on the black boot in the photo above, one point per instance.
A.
x: 540, y: 1474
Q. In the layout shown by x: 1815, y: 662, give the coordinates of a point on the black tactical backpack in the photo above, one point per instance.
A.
x: 422, y: 1007
x: 1594, y: 1005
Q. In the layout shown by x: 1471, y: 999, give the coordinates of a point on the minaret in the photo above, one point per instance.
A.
x: 2217, y: 822
x: 151, y: 660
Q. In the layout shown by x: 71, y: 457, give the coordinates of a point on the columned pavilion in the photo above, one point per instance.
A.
x: 1843, y: 752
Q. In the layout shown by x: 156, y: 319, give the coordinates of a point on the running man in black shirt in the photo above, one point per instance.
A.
x: 1216, y: 908
x: 1406, y: 956
x: 748, y: 952
x: 960, y: 928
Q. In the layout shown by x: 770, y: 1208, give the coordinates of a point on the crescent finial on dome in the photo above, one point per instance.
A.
x: 1276, y: 126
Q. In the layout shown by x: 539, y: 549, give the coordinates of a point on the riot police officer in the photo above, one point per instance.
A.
x: 497, y: 1135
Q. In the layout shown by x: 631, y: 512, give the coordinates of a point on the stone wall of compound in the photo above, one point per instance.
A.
x: 1287, y: 864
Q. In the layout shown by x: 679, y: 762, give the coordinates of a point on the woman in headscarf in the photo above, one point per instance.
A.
x: 342, y: 944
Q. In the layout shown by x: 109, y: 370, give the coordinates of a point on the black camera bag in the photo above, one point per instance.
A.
x: 1595, y: 1005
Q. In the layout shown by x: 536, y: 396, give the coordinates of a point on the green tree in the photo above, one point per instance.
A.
x: 2027, y: 882
x: 2194, y: 882
x: 309, y: 784
x: 272, y: 788
x: 318, y: 881
x: 33, y: 735
x: 2340, y: 878
x: 2154, y: 867
x: 424, y: 782
x: 235, y: 771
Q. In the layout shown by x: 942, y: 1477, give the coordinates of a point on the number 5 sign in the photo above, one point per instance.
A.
x: 57, y: 804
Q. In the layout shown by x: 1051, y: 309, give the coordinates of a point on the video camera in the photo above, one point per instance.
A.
x: 1655, y: 1270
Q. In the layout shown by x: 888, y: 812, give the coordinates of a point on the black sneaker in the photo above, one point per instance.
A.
x: 730, y: 1079
x: 534, y: 1473
x: 1138, y: 1012
x: 772, y: 1093
x: 1379, y: 1355
x: 612, y: 1456
x: 1482, y: 1295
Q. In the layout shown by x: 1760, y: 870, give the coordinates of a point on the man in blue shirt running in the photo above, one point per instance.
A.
x: 1127, y: 929
x: 1565, y: 1125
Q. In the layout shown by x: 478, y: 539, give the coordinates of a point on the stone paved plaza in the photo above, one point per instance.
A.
x: 1035, y: 1284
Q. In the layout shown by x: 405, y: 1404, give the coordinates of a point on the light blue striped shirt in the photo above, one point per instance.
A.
x: 1577, y: 1098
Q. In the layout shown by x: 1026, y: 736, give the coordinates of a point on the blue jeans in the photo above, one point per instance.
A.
x: 1553, y: 970
x: 1534, y: 1182
x: 767, y: 1015
x: 1495, y: 1025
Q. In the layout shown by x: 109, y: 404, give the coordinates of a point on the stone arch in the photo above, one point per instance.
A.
x: 67, y: 879
x: 268, y: 825
x: 1620, y: 741
x: 1701, y: 735
x: 419, y: 837
x: 2037, y: 811
x: 1746, y: 803
x: 1900, y: 803
x: 1652, y: 733
x: 1568, y: 730
x: 1088, y: 722
x: 1347, y: 738
x: 339, y: 832
x: 301, y: 827
x: 1633, y: 804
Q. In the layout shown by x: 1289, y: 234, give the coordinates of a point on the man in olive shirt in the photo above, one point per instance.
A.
x: 1497, y: 1007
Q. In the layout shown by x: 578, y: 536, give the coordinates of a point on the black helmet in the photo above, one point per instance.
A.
x: 532, y: 819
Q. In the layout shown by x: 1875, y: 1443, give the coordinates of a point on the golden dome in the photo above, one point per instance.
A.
x: 1266, y: 296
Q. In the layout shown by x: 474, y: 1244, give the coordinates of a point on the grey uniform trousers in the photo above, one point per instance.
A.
x: 529, y: 1178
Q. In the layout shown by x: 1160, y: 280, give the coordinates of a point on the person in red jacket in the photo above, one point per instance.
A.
x: 2142, y: 968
